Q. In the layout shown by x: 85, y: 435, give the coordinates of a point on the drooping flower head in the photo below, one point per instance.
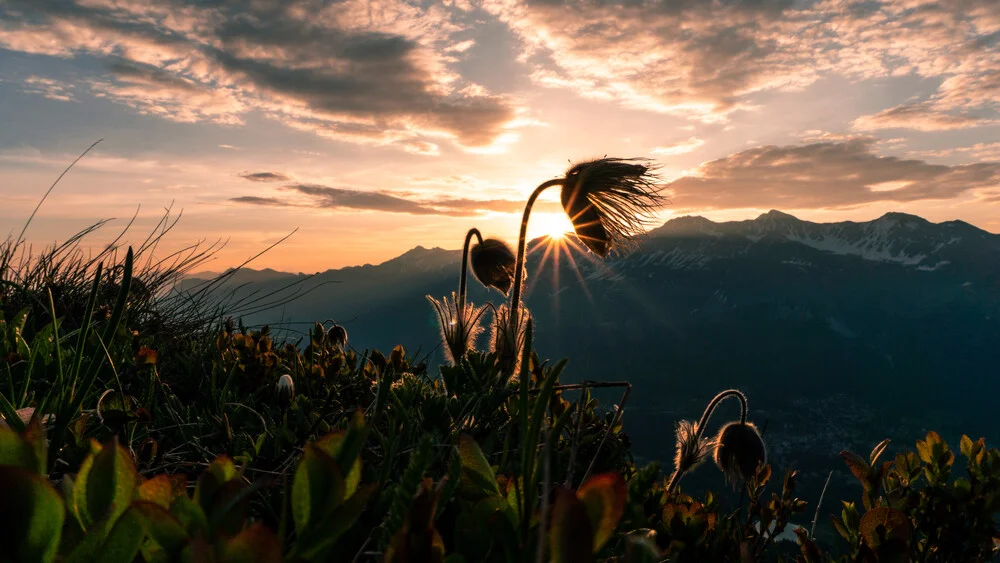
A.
x: 610, y: 200
x: 285, y: 391
x: 338, y: 336
x: 739, y: 449
x: 493, y: 264
x: 459, y: 327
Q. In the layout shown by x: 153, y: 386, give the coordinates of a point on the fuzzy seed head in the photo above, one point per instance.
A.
x: 507, y: 338
x: 609, y: 201
x: 692, y: 451
x: 493, y: 264
x: 285, y: 390
x: 459, y: 328
x: 739, y: 449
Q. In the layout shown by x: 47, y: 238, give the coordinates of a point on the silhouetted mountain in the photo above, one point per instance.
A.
x: 841, y: 333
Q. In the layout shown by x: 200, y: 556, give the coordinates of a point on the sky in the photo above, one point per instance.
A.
x: 368, y: 128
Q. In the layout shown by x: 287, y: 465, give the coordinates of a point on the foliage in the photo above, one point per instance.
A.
x: 135, y: 428
x: 914, y: 511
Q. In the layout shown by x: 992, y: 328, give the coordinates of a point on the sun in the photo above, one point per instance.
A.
x: 552, y: 225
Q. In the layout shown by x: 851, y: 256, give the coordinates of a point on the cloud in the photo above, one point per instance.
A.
x: 48, y: 88
x: 264, y: 176
x: 824, y: 175
x: 259, y: 200
x: 705, y: 59
x: 325, y: 197
x: 378, y: 75
x: 681, y: 147
x: 917, y: 116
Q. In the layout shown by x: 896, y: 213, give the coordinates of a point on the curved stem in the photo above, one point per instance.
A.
x: 703, y: 421
x: 465, y: 265
x: 522, y: 241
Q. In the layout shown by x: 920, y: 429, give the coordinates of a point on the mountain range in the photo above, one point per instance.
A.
x: 841, y: 333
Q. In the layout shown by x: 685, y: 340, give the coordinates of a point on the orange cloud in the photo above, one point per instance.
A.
x: 824, y: 175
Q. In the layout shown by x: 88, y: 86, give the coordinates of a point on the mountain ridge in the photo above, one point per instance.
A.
x: 773, y: 222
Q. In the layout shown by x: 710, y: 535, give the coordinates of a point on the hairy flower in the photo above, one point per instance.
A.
x: 610, y: 200
x: 507, y: 338
x: 493, y: 264
x: 692, y: 450
x: 739, y: 449
x: 285, y: 390
x: 459, y: 328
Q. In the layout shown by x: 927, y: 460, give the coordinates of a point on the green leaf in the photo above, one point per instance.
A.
x: 105, y: 485
x: 965, y: 445
x: 571, y: 536
x: 841, y: 528
x: 191, y: 517
x: 218, y: 492
x: 165, y: 532
x: 123, y: 541
x: 17, y: 451
x: 334, y: 445
x: 35, y: 515
x: 604, y: 497
x: 477, y: 478
x: 317, y: 488
x: 254, y: 544
x: 315, y: 543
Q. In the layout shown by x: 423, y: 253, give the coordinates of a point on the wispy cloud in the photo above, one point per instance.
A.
x: 824, y: 175
x: 680, y: 147
x: 342, y: 70
x: 705, y: 59
x: 48, y: 88
x: 264, y: 176
x: 318, y: 196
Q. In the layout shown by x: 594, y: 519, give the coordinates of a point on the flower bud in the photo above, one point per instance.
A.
x: 285, y: 391
x: 338, y: 336
x: 739, y: 449
x: 493, y: 264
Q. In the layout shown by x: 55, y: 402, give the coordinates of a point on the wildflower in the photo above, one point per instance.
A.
x: 692, y: 449
x: 507, y: 337
x: 459, y: 326
x: 608, y: 200
x: 739, y: 450
x: 285, y: 391
x: 493, y: 264
x: 337, y: 336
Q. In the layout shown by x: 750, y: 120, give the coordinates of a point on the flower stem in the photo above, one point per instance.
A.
x: 705, y: 416
x: 465, y: 265
x: 522, y: 241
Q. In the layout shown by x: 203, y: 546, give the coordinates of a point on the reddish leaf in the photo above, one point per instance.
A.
x: 571, y: 536
x: 604, y: 497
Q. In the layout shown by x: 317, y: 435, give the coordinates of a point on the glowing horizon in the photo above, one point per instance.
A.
x: 376, y: 128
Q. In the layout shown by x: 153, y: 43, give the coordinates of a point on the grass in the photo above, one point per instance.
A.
x: 372, y: 457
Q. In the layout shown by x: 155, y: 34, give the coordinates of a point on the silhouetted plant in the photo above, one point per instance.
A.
x: 458, y: 320
x: 492, y: 264
x: 738, y: 449
x: 608, y: 200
